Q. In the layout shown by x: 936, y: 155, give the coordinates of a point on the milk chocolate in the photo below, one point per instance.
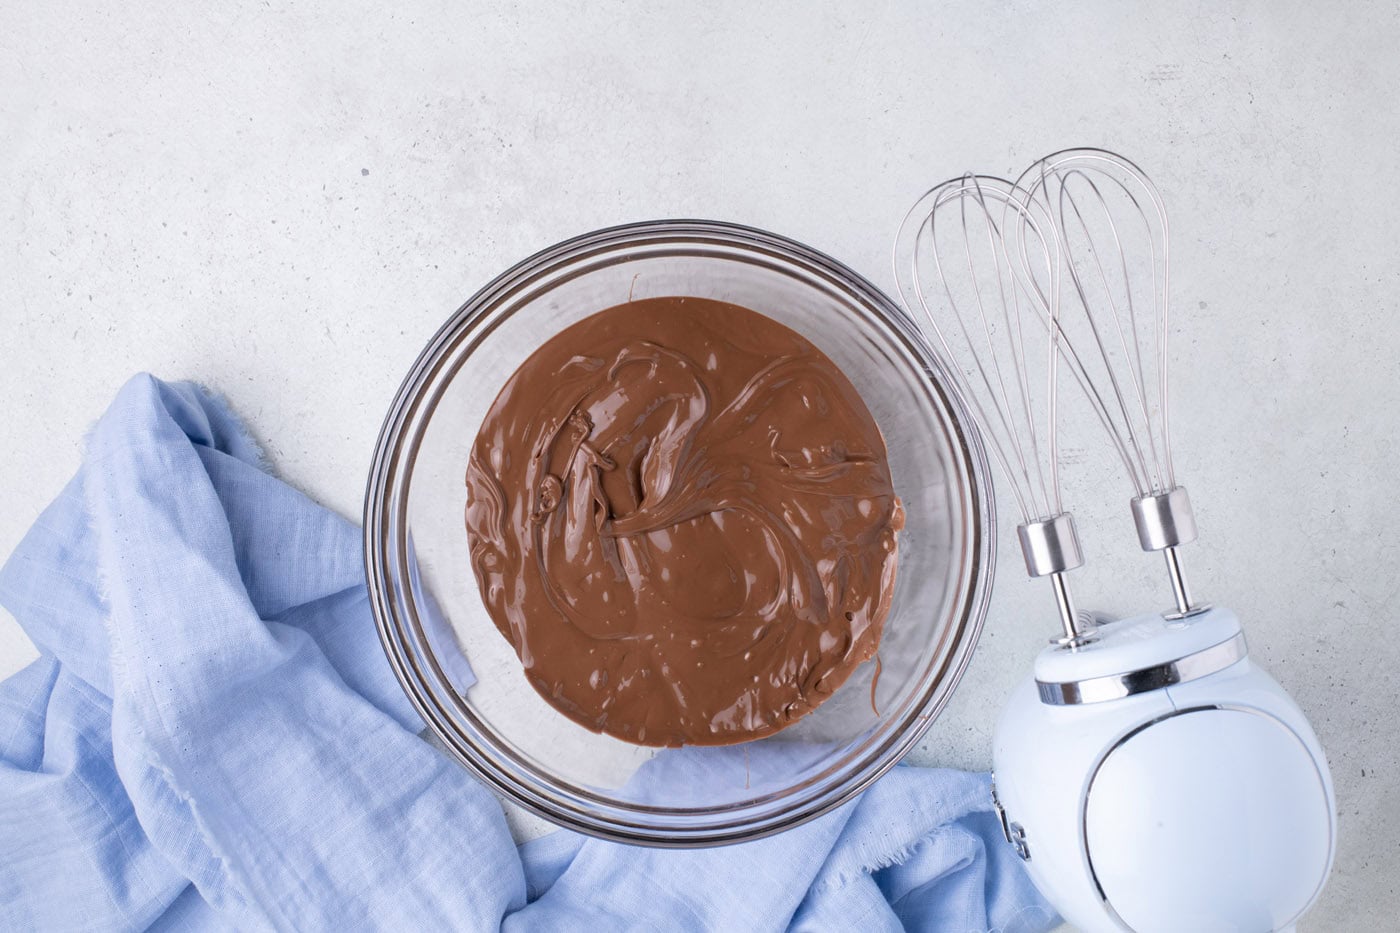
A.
x: 681, y: 516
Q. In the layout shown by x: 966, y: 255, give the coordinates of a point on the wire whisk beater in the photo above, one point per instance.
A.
x: 979, y: 264
x: 1111, y: 225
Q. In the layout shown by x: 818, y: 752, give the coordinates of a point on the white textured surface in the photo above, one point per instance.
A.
x: 284, y: 200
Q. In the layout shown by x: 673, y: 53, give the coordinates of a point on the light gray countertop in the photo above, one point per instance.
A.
x: 283, y: 201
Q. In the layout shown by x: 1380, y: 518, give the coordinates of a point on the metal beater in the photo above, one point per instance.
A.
x: 1112, y: 226
x: 998, y: 334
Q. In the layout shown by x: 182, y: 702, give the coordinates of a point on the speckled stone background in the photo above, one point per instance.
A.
x: 284, y: 200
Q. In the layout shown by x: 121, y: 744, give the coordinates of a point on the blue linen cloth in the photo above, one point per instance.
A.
x: 211, y: 739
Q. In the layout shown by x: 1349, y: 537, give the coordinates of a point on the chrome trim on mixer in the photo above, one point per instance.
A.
x: 1164, y: 519
x: 1117, y: 686
x: 1014, y: 832
x: 1050, y: 545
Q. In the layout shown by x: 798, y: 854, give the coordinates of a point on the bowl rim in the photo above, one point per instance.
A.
x: 382, y: 518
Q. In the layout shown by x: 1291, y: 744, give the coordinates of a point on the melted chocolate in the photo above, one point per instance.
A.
x: 681, y: 516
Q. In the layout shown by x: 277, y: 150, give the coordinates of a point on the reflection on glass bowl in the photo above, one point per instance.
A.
x: 464, y: 677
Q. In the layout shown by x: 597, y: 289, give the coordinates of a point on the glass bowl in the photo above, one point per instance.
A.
x: 464, y: 677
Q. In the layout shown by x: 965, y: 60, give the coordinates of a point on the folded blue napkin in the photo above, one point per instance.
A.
x: 211, y: 739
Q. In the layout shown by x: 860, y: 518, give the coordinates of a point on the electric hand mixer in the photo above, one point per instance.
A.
x: 1153, y: 777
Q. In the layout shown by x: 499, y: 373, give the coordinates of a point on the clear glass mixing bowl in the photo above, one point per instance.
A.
x: 465, y: 679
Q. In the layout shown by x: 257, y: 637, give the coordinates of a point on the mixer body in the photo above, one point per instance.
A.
x: 1159, y: 780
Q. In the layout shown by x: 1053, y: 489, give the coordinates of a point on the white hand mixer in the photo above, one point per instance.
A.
x: 1153, y: 777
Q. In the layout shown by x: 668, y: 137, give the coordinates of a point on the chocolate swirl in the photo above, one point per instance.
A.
x: 681, y: 516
